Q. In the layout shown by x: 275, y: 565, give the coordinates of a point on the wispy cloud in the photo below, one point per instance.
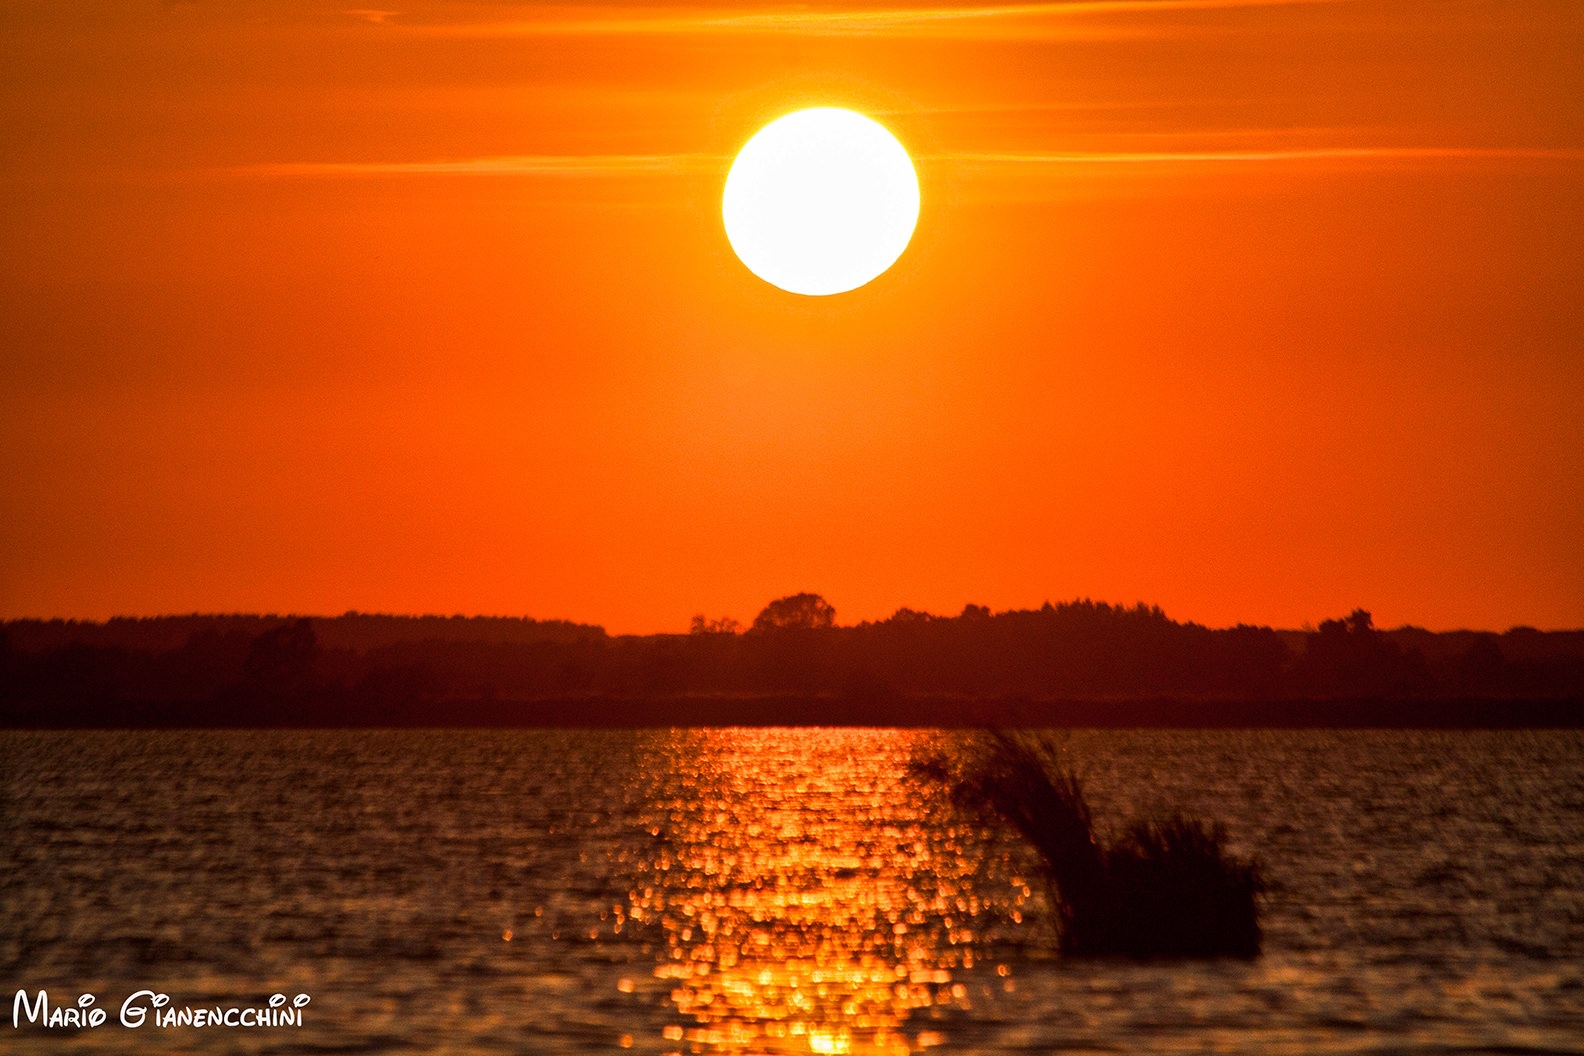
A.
x: 367, y: 14
x: 585, y: 166
x: 567, y: 165
x: 1163, y: 157
x: 965, y: 19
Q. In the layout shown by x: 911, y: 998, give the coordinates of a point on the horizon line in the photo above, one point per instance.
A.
x: 1307, y: 627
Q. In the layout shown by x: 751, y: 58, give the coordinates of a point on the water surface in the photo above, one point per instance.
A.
x: 774, y: 891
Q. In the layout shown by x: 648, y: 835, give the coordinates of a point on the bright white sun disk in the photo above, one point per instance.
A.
x: 821, y: 201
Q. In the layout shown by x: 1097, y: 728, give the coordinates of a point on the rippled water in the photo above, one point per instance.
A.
x: 773, y: 891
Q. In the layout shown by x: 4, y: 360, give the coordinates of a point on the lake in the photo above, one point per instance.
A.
x: 762, y: 891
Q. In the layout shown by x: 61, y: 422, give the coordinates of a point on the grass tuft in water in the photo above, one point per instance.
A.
x: 1166, y: 888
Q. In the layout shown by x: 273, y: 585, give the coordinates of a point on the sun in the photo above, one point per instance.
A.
x: 821, y: 201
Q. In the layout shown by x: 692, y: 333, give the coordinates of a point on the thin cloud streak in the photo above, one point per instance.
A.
x: 1236, y: 156
x: 1008, y: 19
x: 609, y: 165
x: 563, y: 165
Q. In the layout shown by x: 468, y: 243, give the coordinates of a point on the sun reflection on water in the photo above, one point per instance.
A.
x: 801, y: 903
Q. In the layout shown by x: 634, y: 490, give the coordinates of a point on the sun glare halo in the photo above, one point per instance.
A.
x: 821, y: 201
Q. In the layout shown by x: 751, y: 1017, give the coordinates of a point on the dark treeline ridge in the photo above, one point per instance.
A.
x: 1077, y: 663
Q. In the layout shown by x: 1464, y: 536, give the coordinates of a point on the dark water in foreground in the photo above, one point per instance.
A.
x: 772, y: 891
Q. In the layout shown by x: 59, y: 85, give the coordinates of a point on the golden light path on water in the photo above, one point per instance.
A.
x: 806, y: 901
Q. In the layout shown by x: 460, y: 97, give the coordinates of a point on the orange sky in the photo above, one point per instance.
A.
x: 1259, y: 311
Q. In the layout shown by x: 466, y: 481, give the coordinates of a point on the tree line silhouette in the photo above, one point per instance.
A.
x: 361, y: 669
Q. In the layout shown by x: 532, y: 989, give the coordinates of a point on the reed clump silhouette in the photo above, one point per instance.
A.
x: 1165, y: 888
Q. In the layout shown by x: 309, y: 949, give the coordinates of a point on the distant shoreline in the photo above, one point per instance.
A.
x: 815, y: 711
x: 1077, y: 664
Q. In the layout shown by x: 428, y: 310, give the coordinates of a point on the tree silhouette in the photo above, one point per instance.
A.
x: 1350, y: 656
x: 795, y: 612
x: 724, y: 625
x: 281, y: 659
